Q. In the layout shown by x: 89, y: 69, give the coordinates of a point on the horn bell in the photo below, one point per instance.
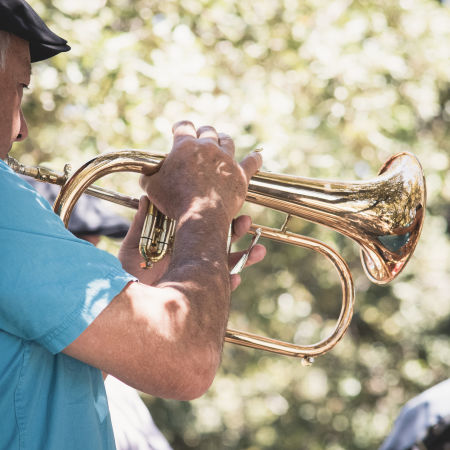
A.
x: 384, y: 215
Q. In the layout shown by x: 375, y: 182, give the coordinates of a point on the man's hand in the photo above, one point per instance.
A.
x: 240, y: 227
x: 167, y: 339
x: 201, y: 173
x: 130, y: 257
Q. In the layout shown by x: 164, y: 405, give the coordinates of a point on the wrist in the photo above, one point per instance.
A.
x: 208, y: 212
x: 202, y: 235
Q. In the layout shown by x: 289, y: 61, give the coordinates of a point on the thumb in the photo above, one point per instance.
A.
x: 133, y: 236
x: 251, y: 164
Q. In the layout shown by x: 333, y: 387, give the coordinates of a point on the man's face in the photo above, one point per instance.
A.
x: 13, y: 79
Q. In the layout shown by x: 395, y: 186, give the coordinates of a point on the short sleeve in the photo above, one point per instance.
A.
x: 52, y: 285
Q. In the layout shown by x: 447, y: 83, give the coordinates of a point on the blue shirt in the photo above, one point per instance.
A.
x: 52, y: 286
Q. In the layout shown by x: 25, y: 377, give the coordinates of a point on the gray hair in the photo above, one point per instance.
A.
x: 4, y: 44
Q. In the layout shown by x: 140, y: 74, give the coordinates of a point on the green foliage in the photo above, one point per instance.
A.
x: 330, y: 89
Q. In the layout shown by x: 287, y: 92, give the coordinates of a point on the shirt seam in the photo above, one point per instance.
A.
x: 18, y: 399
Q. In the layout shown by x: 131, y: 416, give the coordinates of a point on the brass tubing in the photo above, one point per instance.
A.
x: 348, y: 299
x: 384, y: 216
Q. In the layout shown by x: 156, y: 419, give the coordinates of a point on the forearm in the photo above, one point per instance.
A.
x: 199, y: 272
x: 168, y: 338
x: 144, y: 338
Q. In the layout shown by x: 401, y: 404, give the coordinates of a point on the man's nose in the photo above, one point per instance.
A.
x: 23, y: 134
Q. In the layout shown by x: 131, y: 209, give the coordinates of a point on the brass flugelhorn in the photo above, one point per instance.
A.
x: 383, y: 215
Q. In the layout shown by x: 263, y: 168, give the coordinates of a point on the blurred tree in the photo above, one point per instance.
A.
x: 330, y: 89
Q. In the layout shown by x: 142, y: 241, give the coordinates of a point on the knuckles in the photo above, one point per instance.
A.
x: 194, y: 166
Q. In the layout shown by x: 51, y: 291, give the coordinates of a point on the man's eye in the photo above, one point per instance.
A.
x: 25, y: 86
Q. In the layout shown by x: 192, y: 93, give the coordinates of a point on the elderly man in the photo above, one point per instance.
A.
x: 69, y: 311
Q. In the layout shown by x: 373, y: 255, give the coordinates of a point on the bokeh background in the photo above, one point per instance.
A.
x: 329, y: 89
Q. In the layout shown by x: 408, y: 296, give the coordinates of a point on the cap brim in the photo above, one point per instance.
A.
x: 39, y: 51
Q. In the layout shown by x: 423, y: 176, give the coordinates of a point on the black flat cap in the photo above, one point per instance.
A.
x: 19, y: 18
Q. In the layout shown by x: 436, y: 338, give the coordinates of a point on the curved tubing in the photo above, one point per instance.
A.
x: 384, y: 215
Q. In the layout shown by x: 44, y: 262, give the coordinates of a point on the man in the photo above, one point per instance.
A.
x: 69, y: 311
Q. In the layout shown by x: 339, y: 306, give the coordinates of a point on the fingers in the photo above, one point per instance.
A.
x: 207, y: 132
x: 235, y: 281
x: 184, y: 129
x: 240, y: 226
x: 256, y: 255
x: 226, y: 143
x: 134, y: 232
x: 251, y: 164
x: 223, y: 140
